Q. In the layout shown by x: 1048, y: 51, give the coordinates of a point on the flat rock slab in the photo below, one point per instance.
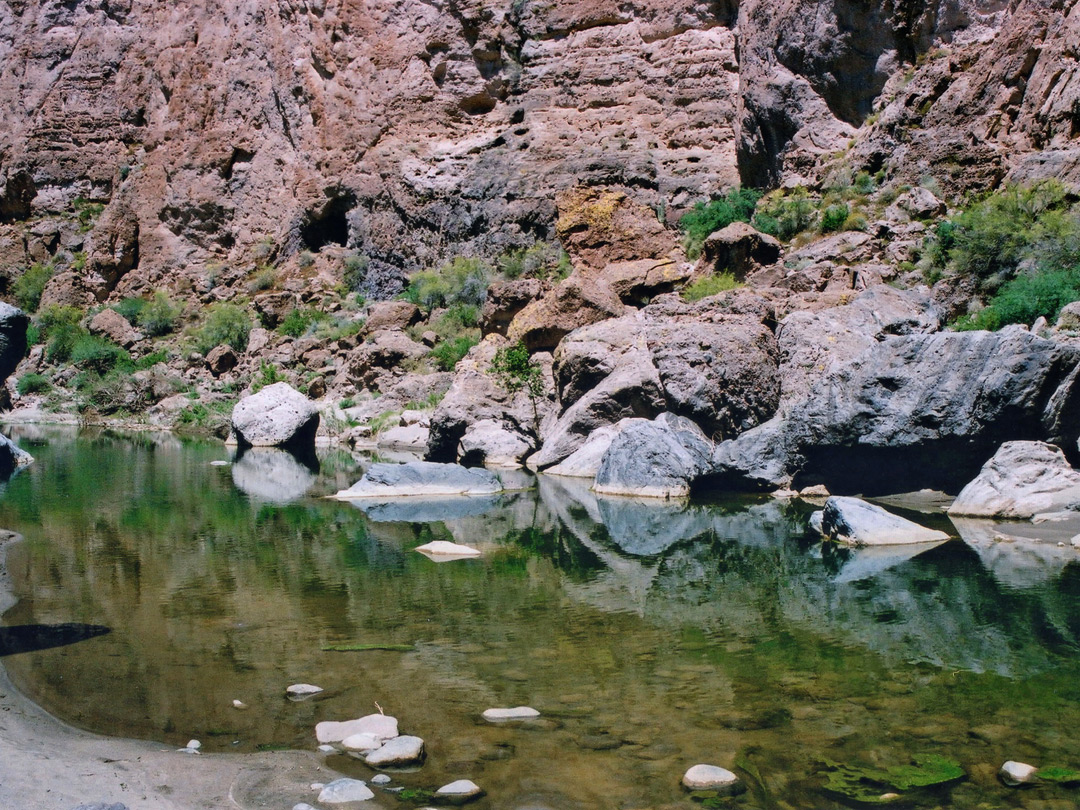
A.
x: 341, y: 791
x: 459, y: 792
x: 517, y: 713
x: 363, y: 743
x: 854, y: 522
x: 299, y: 691
x: 380, y: 725
x: 398, y: 752
x: 444, y: 548
x: 422, y: 478
x: 713, y: 777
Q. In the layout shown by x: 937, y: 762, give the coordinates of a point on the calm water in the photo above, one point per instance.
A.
x: 650, y: 637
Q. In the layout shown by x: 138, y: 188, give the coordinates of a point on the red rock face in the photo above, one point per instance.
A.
x: 412, y: 131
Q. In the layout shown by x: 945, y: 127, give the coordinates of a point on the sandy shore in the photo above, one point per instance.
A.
x: 46, y: 764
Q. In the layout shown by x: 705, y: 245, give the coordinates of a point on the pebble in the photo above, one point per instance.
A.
x: 1015, y: 774
x: 239, y: 704
x: 219, y: 463
x: 298, y: 691
x: 713, y: 777
x: 404, y: 750
x: 444, y: 548
x: 517, y: 713
x: 303, y: 806
x: 318, y: 785
x: 345, y: 790
x: 188, y: 750
x: 194, y: 744
x: 459, y: 792
x: 381, y: 779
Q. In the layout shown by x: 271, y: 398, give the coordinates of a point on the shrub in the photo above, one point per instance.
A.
x: 152, y: 359
x: 864, y: 183
x: 305, y: 259
x: 97, y: 354
x: 355, y: 273
x: 264, y: 279
x: 709, y: 285
x: 268, y: 375
x: 705, y: 218
x: 516, y: 371
x: 59, y: 327
x: 461, y: 281
x: 225, y: 324
x: 784, y: 215
x: 299, y: 321
x: 447, y: 354
x: 159, y: 315
x: 833, y: 218
x: 29, y: 287
x: 541, y: 260
x: 32, y: 384
x: 130, y: 309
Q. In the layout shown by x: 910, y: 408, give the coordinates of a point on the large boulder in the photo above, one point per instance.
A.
x: 13, y: 323
x: 655, y: 459
x: 476, y: 395
x: 276, y: 416
x: 12, y: 457
x: 600, y: 226
x: 854, y: 522
x: 505, y: 299
x: 383, y: 351
x: 914, y: 411
x: 494, y: 444
x: 1022, y: 480
x: 111, y: 324
x: 422, y: 478
x: 738, y: 249
x: 392, y: 315
x: 636, y: 282
x: 575, y: 302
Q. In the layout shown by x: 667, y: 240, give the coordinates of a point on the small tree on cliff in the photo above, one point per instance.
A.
x: 516, y: 371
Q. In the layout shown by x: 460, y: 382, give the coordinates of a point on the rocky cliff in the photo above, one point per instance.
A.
x: 221, y: 135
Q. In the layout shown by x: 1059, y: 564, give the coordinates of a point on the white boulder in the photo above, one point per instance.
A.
x: 1022, y: 480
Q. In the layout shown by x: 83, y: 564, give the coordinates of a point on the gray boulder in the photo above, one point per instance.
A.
x: 739, y: 249
x: 854, y: 522
x: 494, y: 444
x: 1023, y: 479
x: 422, y: 478
x: 276, y: 416
x: 914, y: 412
x: 658, y: 459
x: 585, y: 461
x: 12, y: 457
x: 13, y: 323
x: 396, y: 753
x: 272, y: 475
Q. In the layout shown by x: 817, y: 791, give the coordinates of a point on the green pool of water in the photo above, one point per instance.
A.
x: 649, y: 637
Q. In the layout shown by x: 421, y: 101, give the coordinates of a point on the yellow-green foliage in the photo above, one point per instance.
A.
x: 709, y: 285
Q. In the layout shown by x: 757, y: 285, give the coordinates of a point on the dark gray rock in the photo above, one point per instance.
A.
x: 657, y: 459
x: 914, y: 412
x: 13, y: 323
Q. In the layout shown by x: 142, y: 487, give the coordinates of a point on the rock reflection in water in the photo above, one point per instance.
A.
x: 273, y: 475
x: 650, y: 636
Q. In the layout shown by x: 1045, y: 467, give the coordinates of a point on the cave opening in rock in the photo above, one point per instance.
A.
x: 329, y: 226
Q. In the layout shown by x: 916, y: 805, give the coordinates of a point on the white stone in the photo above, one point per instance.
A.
x: 444, y: 548
x: 462, y: 790
x: 302, y: 690
x: 421, y: 478
x: 1022, y: 480
x: 194, y: 744
x: 855, y: 522
x: 404, y: 750
x: 276, y: 415
x: 220, y: 463
x: 303, y: 806
x: 517, y: 713
x: 361, y: 742
x: 1018, y: 773
x: 345, y: 790
x: 381, y: 779
x: 239, y: 704
x: 1075, y: 541
x: 327, y: 749
x: 317, y: 785
x: 585, y: 461
x: 380, y: 725
x: 188, y: 750
x: 712, y: 777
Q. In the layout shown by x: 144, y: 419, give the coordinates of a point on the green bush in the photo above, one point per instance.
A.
x: 541, y: 260
x: 447, y: 354
x: 705, y: 218
x: 299, y: 321
x: 152, y: 359
x: 225, y: 325
x: 709, y: 285
x: 833, y: 217
x: 59, y: 327
x: 97, y: 354
x: 785, y: 214
x: 264, y: 279
x: 29, y: 287
x: 355, y: 272
x: 461, y: 281
x: 130, y: 309
x: 1027, y: 297
x: 32, y: 384
x: 268, y: 375
x: 109, y: 393
x: 158, y: 316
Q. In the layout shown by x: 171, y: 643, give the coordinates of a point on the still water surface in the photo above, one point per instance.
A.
x: 650, y: 637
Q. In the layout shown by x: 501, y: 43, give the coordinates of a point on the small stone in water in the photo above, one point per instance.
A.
x: 712, y: 777
x: 327, y: 749
x: 219, y: 463
x: 302, y: 690
x: 459, y: 792
x: 239, y: 704
x: 317, y: 785
x: 380, y: 779
x: 361, y: 742
x: 444, y: 548
x: 303, y: 806
x: 1015, y: 774
x: 404, y: 750
x: 194, y: 744
x: 381, y: 725
x: 345, y: 790
x: 517, y: 713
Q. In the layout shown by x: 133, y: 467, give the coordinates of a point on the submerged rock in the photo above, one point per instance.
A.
x: 855, y: 522
x: 1015, y: 774
x: 517, y: 713
x: 422, y: 478
x: 459, y: 792
x: 713, y: 777
x: 444, y: 548
x: 380, y: 725
x: 1023, y: 479
x: 396, y: 753
x: 298, y: 691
